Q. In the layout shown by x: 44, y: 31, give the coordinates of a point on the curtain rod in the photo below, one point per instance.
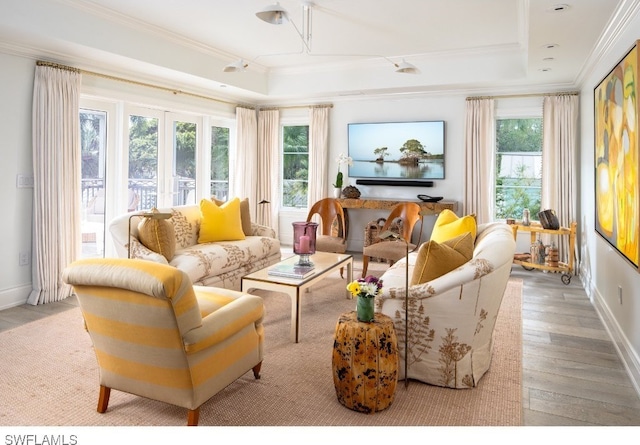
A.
x: 132, y: 82
x: 507, y: 96
x: 295, y: 106
x: 170, y: 90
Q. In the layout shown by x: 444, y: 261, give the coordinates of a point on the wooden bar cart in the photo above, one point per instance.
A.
x: 535, y: 229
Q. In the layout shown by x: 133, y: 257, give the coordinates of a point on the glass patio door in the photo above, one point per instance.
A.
x: 161, y: 159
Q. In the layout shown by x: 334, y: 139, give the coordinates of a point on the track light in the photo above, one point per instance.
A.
x: 236, y: 66
x: 277, y: 15
x: 274, y: 14
x: 406, y: 67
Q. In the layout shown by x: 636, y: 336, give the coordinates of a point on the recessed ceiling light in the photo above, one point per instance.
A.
x: 548, y: 59
x: 544, y: 70
x: 550, y: 45
x: 560, y: 7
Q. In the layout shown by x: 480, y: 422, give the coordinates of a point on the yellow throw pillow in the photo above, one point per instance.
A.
x: 436, y: 259
x: 158, y: 235
x: 245, y: 214
x: 220, y: 223
x: 449, y: 225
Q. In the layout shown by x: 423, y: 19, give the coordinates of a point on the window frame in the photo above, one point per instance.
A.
x: 292, y: 123
x: 514, y: 108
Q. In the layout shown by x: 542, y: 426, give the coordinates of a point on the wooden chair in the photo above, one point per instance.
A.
x: 392, y: 249
x: 330, y: 239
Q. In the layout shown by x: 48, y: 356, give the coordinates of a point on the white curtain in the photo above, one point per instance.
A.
x: 479, y: 158
x: 559, y: 147
x: 268, y: 173
x: 318, y: 153
x: 246, y: 159
x: 57, y: 172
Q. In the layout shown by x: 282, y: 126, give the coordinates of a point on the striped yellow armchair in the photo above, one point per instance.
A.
x: 157, y: 336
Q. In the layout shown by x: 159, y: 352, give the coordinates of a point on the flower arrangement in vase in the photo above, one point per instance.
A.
x: 365, y: 290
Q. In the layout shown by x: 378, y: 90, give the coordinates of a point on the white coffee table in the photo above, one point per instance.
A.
x: 324, y: 263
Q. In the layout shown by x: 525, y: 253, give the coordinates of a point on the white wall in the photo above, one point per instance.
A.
x: 16, y: 86
x: 449, y: 108
x: 603, y: 269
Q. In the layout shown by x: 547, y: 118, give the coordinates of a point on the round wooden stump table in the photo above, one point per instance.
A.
x: 365, y: 362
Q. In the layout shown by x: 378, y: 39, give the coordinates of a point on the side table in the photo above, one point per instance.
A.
x: 365, y: 362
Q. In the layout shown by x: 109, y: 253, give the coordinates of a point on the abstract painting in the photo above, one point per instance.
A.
x: 617, y: 194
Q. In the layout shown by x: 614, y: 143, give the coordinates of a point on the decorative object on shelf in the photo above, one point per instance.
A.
x: 365, y: 290
x: 342, y: 159
x: 351, y: 192
x: 304, y: 241
x: 337, y: 192
x: 549, y: 219
x: 427, y: 198
x: 526, y: 221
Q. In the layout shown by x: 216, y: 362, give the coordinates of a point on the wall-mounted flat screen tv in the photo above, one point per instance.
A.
x: 397, y: 150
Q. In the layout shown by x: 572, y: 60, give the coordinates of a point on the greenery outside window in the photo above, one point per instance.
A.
x: 220, y: 163
x: 295, y: 166
x: 518, y: 167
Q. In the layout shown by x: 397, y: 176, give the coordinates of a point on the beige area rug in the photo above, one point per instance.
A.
x: 49, y: 377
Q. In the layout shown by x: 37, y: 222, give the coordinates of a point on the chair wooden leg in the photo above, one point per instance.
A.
x: 342, y: 272
x: 365, y: 265
x: 103, y: 400
x: 256, y: 370
x: 193, y: 417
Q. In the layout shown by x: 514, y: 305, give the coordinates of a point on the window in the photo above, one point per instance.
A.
x: 518, y: 167
x: 220, y: 163
x: 143, y: 161
x: 93, y: 140
x: 295, y: 165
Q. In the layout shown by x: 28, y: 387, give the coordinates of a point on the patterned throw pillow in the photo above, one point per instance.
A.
x: 157, y: 235
x: 449, y: 225
x: 220, y: 223
x: 436, y: 259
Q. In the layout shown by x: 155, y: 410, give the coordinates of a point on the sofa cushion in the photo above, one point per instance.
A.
x: 436, y: 259
x: 157, y: 235
x: 448, y: 225
x: 245, y: 214
x: 221, y: 223
x: 203, y: 261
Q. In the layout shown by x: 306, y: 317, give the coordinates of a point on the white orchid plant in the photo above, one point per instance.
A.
x: 342, y: 159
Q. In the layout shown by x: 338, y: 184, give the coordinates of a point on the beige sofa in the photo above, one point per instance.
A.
x: 452, y: 317
x: 217, y: 264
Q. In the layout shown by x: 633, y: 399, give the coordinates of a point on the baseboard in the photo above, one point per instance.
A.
x: 14, y: 297
x: 625, y: 350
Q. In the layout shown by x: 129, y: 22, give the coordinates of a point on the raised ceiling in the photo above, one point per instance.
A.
x: 458, y: 45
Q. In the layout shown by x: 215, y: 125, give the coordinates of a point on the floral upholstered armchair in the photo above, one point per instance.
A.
x: 451, y: 318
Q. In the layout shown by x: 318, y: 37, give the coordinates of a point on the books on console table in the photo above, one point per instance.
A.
x: 290, y: 271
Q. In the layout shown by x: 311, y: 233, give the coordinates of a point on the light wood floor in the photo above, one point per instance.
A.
x: 572, y: 375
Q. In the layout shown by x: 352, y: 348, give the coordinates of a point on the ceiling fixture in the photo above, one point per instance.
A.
x: 561, y: 7
x: 277, y: 15
x: 236, y: 67
x: 406, y: 67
